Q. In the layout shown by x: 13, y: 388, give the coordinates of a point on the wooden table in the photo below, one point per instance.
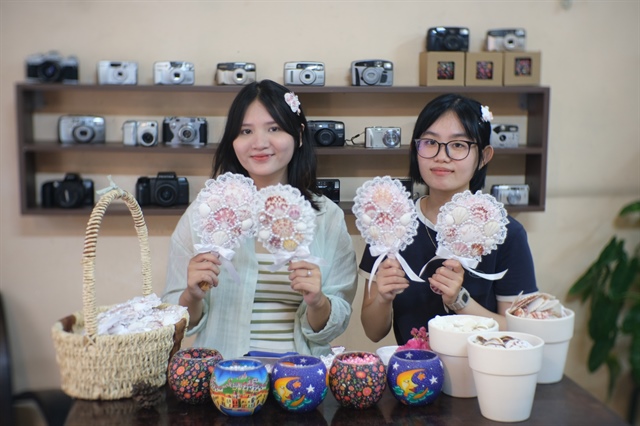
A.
x: 563, y: 403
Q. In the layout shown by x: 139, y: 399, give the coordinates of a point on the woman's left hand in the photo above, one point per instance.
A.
x: 306, y: 279
x: 448, y: 279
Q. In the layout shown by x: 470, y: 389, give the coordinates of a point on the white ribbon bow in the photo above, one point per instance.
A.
x: 301, y: 253
x: 225, y: 255
x: 381, y: 252
x: 467, y: 263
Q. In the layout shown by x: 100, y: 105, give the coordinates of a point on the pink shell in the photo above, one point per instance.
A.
x: 282, y: 228
x: 225, y: 217
x: 275, y: 205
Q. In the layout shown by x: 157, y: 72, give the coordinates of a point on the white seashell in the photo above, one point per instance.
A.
x: 449, y: 220
x: 405, y: 219
x: 490, y: 228
x: 374, y: 232
x: 247, y: 224
x: 389, y: 240
x: 301, y: 226
x: 219, y: 238
x: 460, y: 214
x: 204, y: 210
x: 400, y: 231
x: 264, y: 234
x: 214, y: 204
x: 366, y: 219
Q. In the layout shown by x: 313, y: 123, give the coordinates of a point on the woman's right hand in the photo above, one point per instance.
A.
x: 202, y: 274
x: 390, y: 279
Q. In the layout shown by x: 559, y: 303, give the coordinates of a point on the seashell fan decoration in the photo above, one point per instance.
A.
x: 386, y: 219
x: 286, y: 223
x: 469, y: 227
x: 223, y: 216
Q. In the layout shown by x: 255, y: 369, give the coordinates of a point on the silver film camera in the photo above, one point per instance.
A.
x: 506, y: 39
x: 235, y: 73
x: 81, y: 129
x: 112, y: 72
x: 184, y: 131
x: 514, y: 195
x: 504, y: 136
x: 382, y: 137
x: 372, y: 72
x: 304, y: 73
x: 143, y: 133
x: 173, y: 72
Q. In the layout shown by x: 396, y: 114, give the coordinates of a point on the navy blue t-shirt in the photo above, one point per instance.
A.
x: 417, y: 304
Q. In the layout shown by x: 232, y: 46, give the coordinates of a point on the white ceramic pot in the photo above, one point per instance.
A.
x: 505, y: 379
x: 451, y: 347
x: 556, y: 333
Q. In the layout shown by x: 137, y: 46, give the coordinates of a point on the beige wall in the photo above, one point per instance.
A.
x: 590, y: 59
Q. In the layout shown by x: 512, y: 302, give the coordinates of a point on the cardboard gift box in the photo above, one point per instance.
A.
x: 521, y: 68
x: 484, y: 68
x: 442, y: 68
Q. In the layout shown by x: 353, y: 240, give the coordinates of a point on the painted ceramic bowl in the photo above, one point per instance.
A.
x: 357, y: 379
x: 415, y: 376
x: 239, y: 387
x: 190, y: 373
x: 299, y: 382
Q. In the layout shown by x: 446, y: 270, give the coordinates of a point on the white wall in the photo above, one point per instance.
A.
x: 590, y: 59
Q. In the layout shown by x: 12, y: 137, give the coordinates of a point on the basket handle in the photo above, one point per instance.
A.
x: 89, y: 253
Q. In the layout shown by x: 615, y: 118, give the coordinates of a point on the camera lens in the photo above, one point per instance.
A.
x: 240, y: 76
x: 514, y: 197
x: 177, y: 77
x: 186, y: 134
x: 307, y: 77
x: 391, y: 138
x: 452, y: 42
x: 147, y: 139
x: 83, y: 134
x: 325, y: 137
x: 69, y: 194
x: 510, y: 42
x: 49, y: 71
x: 371, y: 75
x: 166, y: 194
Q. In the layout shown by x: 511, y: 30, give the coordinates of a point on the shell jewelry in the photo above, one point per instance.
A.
x: 223, y: 216
x: 387, y: 220
x: 469, y: 227
x: 286, y: 223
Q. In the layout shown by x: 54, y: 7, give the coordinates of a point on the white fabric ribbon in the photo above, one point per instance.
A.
x: 302, y: 253
x: 112, y: 185
x: 381, y: 252
x: 467, y: 263
x: 225, y: 255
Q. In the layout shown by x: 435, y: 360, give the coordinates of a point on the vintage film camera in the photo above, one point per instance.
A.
x: 235, y: 73
x: 165, y: 190
x: 507, y: 39
x: 372, y: 72
x: 330, y: 188
x: 453, y: 39
x: 143, y: 133
x: 504, y: 136
x: 304, y: 73
x: 173, y: 72
x: 327, y: 132
x: 52, y: 68
x: 111, y: 72
x: 382, y: 137
x: 184, y: 131
x: 69, y: 193
x: 514, y: 195
x: 81, y: 129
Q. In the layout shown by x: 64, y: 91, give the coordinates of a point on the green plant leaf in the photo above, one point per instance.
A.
x: 600, y: 353
x: 630, y: 208
x: 621, y: 278
x: 614, y: 372
x: 631, y: 321
x: 603, y: 325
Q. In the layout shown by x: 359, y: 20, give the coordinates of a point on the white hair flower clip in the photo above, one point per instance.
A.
x: 487, y: 116
x: 292, y: 100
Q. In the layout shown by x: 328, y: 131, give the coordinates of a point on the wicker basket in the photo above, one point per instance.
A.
x: 106, y: 367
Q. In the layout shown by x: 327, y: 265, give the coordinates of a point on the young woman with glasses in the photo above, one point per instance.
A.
x: 450, y: 151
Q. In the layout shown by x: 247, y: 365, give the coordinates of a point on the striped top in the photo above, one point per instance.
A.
x: 274, y: 309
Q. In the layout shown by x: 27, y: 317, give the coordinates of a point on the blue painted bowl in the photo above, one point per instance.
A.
x: 239, y: 387
x: 415, y: 376
x: 299, y: 382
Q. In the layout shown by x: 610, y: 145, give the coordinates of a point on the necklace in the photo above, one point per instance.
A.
x: 428, y: 230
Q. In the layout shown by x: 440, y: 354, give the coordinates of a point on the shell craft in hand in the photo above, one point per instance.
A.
x: 223, y: 211
x: 385, y: 214
x: 286, y: 220
x: 471, y: 225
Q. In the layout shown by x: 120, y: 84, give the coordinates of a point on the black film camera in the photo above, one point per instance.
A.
x: 69, y: 193
x: 327, y: 132
x: 453, y: 39
x: 330, y: 188
x: 165, y: 190
x: 52, y: 68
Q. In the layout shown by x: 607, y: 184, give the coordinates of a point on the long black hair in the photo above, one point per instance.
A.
x: 301, y: 171
x: 469, y: 113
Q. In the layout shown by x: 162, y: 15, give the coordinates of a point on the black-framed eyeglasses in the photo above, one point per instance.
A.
x: 456, y: 150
